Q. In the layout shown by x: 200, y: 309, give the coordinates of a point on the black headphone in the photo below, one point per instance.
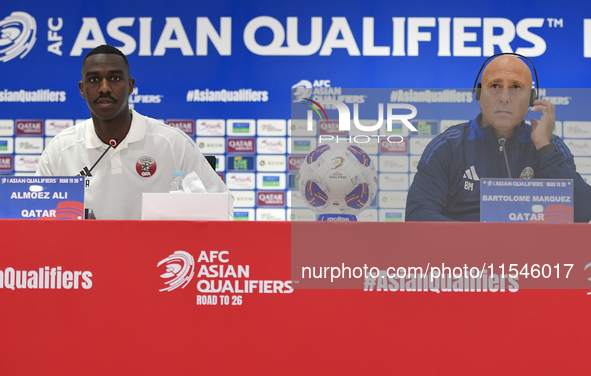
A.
x: 535, y: 94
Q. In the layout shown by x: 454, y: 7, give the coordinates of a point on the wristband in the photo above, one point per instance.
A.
x: 546, y: 149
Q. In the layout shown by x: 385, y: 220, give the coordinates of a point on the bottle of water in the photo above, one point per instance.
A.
x: 176, y: 184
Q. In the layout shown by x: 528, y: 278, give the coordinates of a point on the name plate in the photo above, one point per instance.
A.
x: 33, y: 197
x: 519, y: 200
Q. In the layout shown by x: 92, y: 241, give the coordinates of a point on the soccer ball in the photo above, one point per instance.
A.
x: 336, y: 179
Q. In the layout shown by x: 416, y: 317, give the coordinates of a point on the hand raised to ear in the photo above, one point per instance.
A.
x: 541, y: 133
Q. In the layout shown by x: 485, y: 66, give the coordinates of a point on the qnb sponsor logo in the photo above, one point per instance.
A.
x: 240, y: 95
x: 24, y: 96
x: 409, y: 33
x: 180, y: 269
x: 17, y: 35
x: 45, y: 278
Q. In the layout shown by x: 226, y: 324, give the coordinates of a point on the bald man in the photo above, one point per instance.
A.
x: 446, y: 186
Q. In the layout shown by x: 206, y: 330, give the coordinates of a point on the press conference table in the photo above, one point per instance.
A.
x: 100, y: 310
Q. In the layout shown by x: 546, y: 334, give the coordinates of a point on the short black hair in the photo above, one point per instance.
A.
x: 106, y: 49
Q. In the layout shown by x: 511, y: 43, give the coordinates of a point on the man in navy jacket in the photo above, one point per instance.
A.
x: 446, y: 186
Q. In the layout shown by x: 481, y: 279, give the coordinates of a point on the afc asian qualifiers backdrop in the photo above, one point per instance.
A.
x: 209, y: 63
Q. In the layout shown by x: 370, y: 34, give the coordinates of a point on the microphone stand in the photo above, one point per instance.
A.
x: 88, y: 213
x: 112, y: 144
x: 502, y: 148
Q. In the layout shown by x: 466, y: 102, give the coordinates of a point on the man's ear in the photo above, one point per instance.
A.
x: 81, y: 87
x: 131, y: 85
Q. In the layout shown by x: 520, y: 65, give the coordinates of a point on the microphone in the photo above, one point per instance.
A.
x: 113, y: 143
x: 502, y: 148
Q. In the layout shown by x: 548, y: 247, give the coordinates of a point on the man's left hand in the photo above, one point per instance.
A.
x: 541, y: 132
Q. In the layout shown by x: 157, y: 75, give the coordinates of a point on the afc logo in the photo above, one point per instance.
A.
x: 180, y: 269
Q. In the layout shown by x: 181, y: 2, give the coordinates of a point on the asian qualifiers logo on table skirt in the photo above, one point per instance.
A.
x: 180, y: 269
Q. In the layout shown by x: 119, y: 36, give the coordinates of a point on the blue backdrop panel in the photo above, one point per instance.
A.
x: 229, y: 60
